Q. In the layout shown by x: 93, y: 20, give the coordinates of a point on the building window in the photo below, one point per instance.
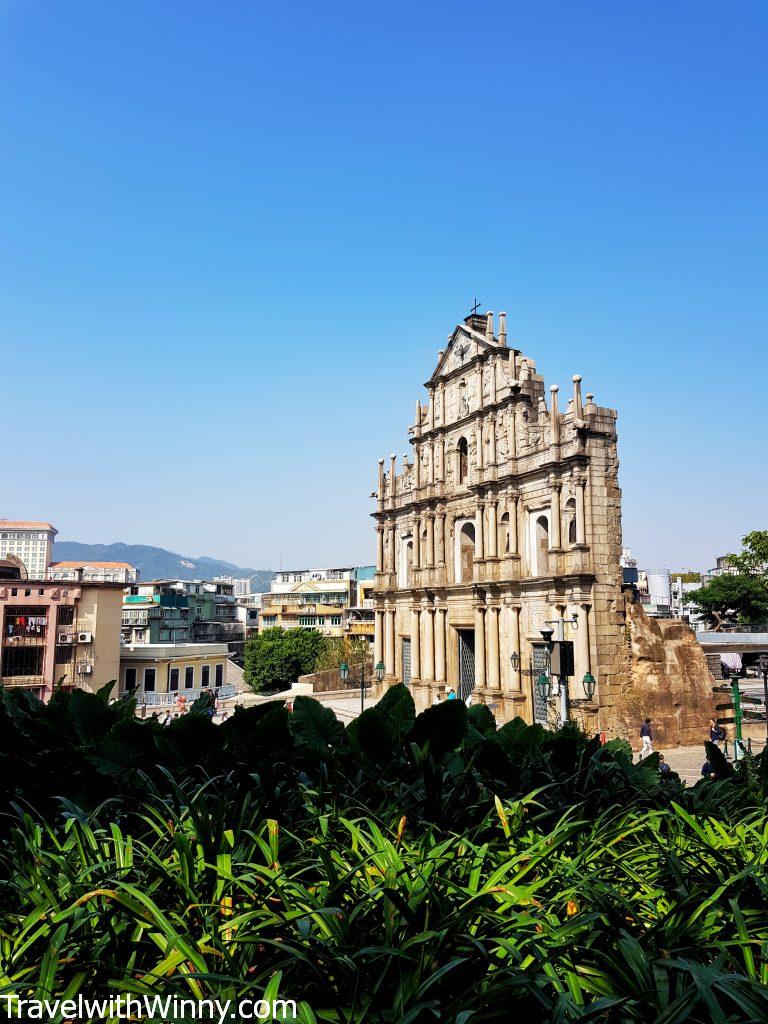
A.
x: 570, y: 520
x: 504, y: 547
x: 335, y: 620
x: 130, y: 679
x: 463, y: 449
x: 23, y: 661
x: 65, y: 616
x: 63, y: 654
x: 541, y: 546
x: 173, y: 679
x: 149, y: 680
x: 466, y: 553
x: 189, y: 677
x: 206, y: 675
x: 219, y: 676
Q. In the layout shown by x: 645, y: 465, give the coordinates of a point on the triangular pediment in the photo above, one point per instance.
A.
x: 464, y: 345
x: 306, y: 588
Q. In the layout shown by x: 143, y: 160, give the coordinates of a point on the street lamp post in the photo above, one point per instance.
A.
x: 344, y: 673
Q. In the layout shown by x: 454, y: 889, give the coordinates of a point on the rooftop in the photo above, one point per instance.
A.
x: 93, y: 565
x: 25, y: 524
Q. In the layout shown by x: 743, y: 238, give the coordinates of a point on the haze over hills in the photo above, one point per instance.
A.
x: 158, y: 563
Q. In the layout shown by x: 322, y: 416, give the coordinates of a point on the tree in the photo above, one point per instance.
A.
x: 355, y: 650
x: 732, y: 599
x: 753, y: 559
x: 275, y: 658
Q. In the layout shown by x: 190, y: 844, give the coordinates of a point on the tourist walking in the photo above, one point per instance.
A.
x: 646, y: 735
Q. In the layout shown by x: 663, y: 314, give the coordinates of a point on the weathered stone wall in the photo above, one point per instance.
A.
x: 667, y: 678
x: 329, y: 681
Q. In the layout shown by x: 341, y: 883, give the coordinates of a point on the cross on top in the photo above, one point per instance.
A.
x: 473, y: 311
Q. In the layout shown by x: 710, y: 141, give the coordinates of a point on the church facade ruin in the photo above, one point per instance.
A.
x: 504, y: 517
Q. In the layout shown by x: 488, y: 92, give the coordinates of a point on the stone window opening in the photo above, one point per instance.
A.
x: 570, y: 520
x: 504, y: 541
x: 466, y: 553
x: 462, y: 449
x: 405, y: 576
x: 541, y: 546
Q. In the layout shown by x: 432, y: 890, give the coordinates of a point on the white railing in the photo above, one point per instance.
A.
x: 165, y: 699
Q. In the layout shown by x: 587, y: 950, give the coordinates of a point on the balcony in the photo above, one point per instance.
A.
x: 22, y: 681
x: 24, y: 640
x: 213, y: 632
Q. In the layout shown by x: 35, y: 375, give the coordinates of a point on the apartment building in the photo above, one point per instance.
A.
x: 157, y: 673
x: 93, y: 572
x: 241, y: 585
x: 309, y: 598
x: 52, y: 632
x: 181, y: 611
x: 30, y: 542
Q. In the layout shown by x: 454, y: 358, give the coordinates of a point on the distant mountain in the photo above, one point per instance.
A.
x: 157, y: 563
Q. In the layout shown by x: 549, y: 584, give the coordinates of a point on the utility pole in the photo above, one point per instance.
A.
x: 738, y: 714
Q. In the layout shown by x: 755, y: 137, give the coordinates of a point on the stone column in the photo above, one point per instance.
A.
x: 417, y: 542
x: 492, y: 442
x: 431, y: 452
x: 440, y: 538
x: 441, y: 391
x: 431, y: 410
x: 430, y: 540
x: 479, y: 532
x: 392, y: 562
x: 555, y: 527
x: 554, y: 415
x: 492, y: 367
x: 379, y: 548
x: 479, y: 647
x: 492, y: 622
x: 392, y: 480
x: 441, y: 475
x: 479, y: 442
x: 428, y: 657
x: 440, y: 618
x: 416, y: 467
x: 581, y: 532
x: 493, y: 529
x: 378, y: 637
x: 389, y: 663
x: 415, y: 643
x: 382, y: 484
x: 514, y: 540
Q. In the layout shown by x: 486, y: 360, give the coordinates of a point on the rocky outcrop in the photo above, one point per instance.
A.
x: 667, y: 678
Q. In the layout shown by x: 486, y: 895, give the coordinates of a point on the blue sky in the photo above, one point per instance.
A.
x: 233, y: 237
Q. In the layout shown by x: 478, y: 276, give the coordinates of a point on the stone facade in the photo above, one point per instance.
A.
x: 505, y: 515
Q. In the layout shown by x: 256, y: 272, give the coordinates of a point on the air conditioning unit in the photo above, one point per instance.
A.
x: 65, y: 638
x: 84, y: 669
x: 84, y: 638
